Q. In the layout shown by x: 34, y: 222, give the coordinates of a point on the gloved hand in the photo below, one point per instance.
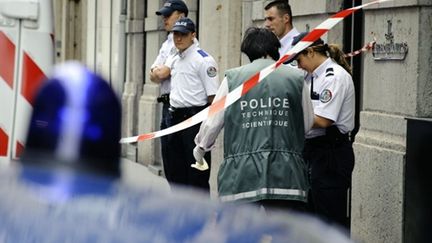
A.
x: 198, y: 154
x: 200, y: 163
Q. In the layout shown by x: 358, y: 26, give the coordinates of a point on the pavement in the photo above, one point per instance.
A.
x: 137, y: 174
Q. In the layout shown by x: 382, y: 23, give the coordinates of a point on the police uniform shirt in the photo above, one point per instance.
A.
x: 167, y: 49
x: 332, y: 96
x: 194, y: 77
x: 286, y: 41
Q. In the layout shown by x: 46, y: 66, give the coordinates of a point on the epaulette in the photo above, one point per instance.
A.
x: 329, y: 72
x: 202, y: 53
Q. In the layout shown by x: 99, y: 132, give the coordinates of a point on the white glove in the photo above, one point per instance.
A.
x: 200, y: 163
x: 198, y: 154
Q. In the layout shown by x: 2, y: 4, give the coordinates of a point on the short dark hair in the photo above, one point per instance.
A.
x: 260, y: 42
x: 281, y: 5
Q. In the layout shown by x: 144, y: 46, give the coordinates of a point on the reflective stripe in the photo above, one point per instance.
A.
x: 32, y: 78
x: 4, y: 142
x: 7, y: 59
x: 19, y: 148
x: 263, y: 191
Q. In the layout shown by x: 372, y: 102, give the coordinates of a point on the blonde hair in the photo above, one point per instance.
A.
x: 335, y: 53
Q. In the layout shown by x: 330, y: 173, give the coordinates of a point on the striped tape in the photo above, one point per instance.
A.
x: 237, y: 93
x: 366, y: 47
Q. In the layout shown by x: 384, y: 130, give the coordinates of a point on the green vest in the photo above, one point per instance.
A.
x: 264, y: 137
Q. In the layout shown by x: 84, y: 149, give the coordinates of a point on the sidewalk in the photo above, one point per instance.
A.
x: 139, y: 175
x: 136, y: 174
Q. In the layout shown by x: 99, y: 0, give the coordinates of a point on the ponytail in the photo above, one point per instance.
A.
x: 335, y: 53
x: 338, y: 56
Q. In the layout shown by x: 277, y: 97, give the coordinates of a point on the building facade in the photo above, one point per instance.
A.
x: 120, y: 39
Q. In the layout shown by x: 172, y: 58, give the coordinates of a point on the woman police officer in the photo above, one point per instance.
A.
x: 328, y: 148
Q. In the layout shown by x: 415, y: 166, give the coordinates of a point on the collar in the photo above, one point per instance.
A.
x: 189, y: 50
x: 321, y: 68
x: 263, y: 59
x: 291, y: 34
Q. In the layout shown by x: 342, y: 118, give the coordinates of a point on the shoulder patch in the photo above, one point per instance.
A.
x: 202, y: 53
x: 325, y: 96
x: 211, y: 71
x: 329, y: 72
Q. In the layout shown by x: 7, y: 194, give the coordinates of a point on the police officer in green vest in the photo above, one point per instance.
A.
x: 264, y: 131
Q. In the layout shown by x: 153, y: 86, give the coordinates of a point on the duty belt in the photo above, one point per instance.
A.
x: 185, y: 112
x: 163, y: 99
x: 332, y: 136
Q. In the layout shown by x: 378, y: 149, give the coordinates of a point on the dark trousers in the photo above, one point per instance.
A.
x: 331, y: 162
x: 181, y: 144
x: 165, y: 123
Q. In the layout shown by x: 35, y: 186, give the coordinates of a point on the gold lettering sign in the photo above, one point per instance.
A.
x: 390, y: 50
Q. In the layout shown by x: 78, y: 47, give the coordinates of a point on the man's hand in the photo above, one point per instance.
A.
x: 159, y: 73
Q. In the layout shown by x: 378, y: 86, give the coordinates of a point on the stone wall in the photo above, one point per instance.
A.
x: 220, y: 35
x: 134, y: 73
x: 392, y: 90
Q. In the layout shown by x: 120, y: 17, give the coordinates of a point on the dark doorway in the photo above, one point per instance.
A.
x: 352, y: 41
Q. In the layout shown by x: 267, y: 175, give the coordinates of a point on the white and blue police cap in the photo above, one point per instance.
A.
x: 76, y: 123
x: 184, y: 25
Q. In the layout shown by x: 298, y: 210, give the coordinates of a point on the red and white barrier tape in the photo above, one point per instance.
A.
x: 366, y: 47
x: 237, y: 93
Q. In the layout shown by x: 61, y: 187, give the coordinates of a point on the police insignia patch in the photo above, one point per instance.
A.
x: 211, y: 71
x: 325, y: 96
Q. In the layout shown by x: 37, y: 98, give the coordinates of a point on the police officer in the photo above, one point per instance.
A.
x: 278, y: 18
x: 328, y: 148
x: 194, y: 82
x: 159, y: 72
x: 264, y: 131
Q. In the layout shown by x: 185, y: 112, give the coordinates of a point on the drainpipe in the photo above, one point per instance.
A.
x: 122, y: 49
